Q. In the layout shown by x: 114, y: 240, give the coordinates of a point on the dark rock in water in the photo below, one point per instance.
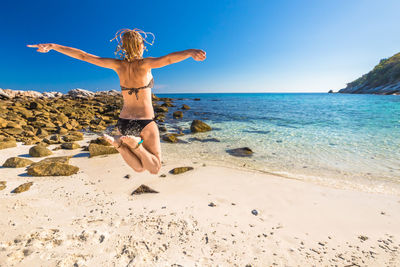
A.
x: 143, y: 189
x: 199, y: 126
x: 7, y: 144
x: 254, y: 212
x: 240, y: 152
x: 39, y: 151
x: 70, y: 146
x: 179, y: 170
x: 171, y: 138
x: 52, y: 169
x: 162, y: 128
x: 96, y: 150
x: 184, y: 106
x: 161, y: 109
x: 167, y: 104
x: 22, y: 188
x: 204, y: 140
x: 330, y: 92
x: 177, y: 114
x: 2, y: 185
x: 16, y: 162
x: 196, y: 99
x: 212, y: 204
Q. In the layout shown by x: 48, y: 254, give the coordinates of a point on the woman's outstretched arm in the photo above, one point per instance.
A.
x: 159, y: 62
x: 109, y: 63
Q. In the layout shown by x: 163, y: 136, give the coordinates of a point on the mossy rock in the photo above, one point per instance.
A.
x: 39, y: 151
x: 70, y: 146
x: 199, y: 126
x: 177, y: 114
x: 100, y: 141
x: 16, y: 162
x: 171, y: 138
x: 22, y: 188
x: 52, y: 169
x: 7, y: 144
x: 179, y: 170
x: 2, y: 185
x: 60, y: 159
x: 161, y: 109
x: 184, y: 106
x: 73, y: 136
x: 97, y: 150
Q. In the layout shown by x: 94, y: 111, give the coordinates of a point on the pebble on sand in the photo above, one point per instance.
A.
x: 143, y: 189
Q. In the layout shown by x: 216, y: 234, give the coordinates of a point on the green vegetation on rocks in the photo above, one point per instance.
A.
x: 383, y: 79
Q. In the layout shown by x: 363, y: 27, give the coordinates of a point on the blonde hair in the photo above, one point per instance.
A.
x: 128, y: 47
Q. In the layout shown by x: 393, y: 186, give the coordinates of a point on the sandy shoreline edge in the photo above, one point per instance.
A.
x: 91, y: 218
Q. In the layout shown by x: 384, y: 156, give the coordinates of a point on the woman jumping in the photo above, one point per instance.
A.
x: 138, y: 139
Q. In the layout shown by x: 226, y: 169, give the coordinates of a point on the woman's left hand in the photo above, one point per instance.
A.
x: 43, y: 48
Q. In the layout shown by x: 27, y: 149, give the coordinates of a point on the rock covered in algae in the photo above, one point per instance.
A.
x: 179, y: 170
x: 16, y: 162
x: 199, y: 126
x: 22, y: 188
x: 39, y: 151
x: 96, y: 150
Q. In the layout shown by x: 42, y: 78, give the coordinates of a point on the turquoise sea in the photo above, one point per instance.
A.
x: 340, y: 139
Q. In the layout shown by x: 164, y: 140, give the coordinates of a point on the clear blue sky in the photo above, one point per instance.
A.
x: 252, y: 46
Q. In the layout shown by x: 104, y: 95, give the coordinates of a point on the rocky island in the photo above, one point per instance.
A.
x: 384, y: 79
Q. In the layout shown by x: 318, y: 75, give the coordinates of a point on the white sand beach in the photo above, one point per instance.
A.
x: 91, y: 218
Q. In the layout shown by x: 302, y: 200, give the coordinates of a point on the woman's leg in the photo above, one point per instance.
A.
x: 130, y: 158
x: 150, y: 161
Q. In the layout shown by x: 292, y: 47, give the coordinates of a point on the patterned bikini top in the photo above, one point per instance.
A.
x: 136, y: 90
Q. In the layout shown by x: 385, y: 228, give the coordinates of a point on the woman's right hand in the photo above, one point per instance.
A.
x: 198, y: 54
x: 43, y: 48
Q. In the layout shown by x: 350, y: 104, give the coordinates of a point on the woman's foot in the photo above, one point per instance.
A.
x: 131, y: 140
x: 116, y: 142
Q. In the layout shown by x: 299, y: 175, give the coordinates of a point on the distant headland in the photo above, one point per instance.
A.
x: 384, y: 79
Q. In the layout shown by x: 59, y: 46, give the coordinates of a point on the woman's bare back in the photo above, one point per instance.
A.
x: 134, y: 75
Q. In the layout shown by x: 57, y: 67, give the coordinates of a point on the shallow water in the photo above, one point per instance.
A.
x: 342, y: 138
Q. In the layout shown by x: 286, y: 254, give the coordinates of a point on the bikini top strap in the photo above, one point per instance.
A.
x: 136, y: 90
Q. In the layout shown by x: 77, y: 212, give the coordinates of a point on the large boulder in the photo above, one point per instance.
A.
x: 96, y: 150
x: 199, y: 126
x: 16, y: 162
x: 55, y: 168
x: 7, y: 144
x: 39, y: 151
